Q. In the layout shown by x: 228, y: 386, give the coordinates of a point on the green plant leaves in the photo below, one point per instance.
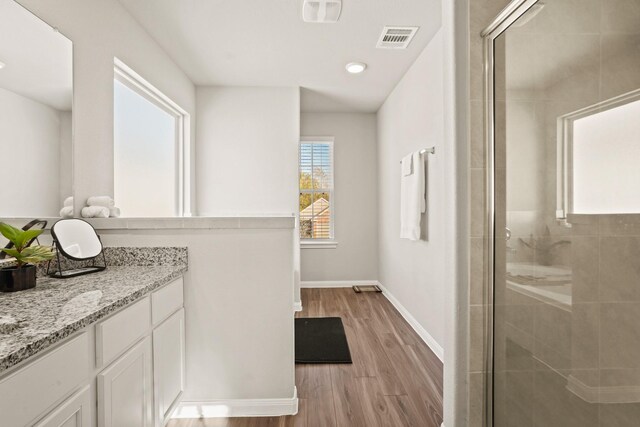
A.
x: 18, y: 237
x: 9, y: 232
x: 36, y: 254
x: 25, y: 237
x: 11, y: 252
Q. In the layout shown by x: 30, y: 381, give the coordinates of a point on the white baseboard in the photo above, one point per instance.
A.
x: 238, y: 408
x: 336, y: 283
x: 422, y: 332
x: 297, y: 306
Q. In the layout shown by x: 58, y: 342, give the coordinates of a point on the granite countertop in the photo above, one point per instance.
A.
x: 32, y: 320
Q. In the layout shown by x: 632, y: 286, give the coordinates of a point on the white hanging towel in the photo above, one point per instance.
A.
x: 412, y: 196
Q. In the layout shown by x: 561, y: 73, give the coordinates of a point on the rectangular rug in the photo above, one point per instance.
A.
x: 321, y: 340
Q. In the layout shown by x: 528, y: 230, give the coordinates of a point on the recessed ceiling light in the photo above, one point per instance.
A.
x: 356, y: 67
x: 2, y: 65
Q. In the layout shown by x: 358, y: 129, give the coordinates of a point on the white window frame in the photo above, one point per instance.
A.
x: 125, y: 75
x: 330, y: 243
x: 564, y: 194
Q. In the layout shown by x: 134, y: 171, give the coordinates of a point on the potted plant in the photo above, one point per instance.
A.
x: 22, y: 275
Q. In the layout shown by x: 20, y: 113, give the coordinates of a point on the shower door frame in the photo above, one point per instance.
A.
x: 512, y: 12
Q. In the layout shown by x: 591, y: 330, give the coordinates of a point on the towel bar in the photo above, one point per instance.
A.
x: 430, y: 150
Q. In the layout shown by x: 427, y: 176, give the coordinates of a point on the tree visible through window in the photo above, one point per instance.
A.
x: 316, y: 190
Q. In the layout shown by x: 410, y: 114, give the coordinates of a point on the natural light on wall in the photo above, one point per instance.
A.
x: 606, y: 161
x: 145, y: 156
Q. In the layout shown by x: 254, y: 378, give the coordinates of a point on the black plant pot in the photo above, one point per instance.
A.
x: 17, y: 279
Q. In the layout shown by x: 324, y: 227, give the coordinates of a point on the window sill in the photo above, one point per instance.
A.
x: 322, y: 244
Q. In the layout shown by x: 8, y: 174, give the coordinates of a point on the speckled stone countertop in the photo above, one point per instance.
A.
x: 32, y: 320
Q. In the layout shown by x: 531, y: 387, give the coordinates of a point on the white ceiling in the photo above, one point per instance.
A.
x: 38, y: 60
x: 266, y: 43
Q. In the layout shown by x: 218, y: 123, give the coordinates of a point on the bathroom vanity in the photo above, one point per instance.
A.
x: 106, y: 349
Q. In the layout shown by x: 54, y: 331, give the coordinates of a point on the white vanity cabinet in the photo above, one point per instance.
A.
x: 74, y: 412
x: 125, y: 391
x: 143, y: 384
x: 125, y: 370
x: 30, y: 392
x: 168, y: 365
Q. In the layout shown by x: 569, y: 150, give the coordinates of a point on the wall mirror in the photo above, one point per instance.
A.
x: 36, y: 85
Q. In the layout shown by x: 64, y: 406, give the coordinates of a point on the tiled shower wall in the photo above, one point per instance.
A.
x: 481, y: 13
x: 600, y: 245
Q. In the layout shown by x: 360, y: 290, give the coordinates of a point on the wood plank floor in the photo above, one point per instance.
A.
x: 395, y: 379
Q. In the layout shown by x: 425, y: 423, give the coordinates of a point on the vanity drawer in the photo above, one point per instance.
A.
x: 30, y: 391
x: 121, y: 331
x: 167, y: 301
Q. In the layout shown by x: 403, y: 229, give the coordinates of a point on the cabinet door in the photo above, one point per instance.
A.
x: 125, y: 389
x: 74, y: 412
x: 168, y: 365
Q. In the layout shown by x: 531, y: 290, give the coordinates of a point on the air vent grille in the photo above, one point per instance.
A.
x: 396, y: 37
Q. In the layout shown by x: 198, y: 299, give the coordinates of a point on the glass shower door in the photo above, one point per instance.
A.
x: 566, y: 242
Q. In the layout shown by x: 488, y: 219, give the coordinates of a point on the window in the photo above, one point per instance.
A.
x: 149, y: 150
x: 600, y: 148
x: 316, y: 189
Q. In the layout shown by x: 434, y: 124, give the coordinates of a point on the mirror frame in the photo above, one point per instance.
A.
x: 62, y: 251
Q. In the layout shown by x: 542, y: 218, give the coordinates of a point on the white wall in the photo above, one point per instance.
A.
x: 100, y: 31
x: 413, y: 118
x: 238, y: 306
x: 30, y: 145
x: 355, y: 197
x: 247, y: 150
x: 247, y: 154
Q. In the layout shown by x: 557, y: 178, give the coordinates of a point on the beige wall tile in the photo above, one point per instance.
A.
x: 476, y: 68
x: 556, y: 406
x: 619, y: 269
x: 620, y: 64
x: 476, y: 399
x: 620, y: 415
x: 585, y: 253
x: 519, y: 398
x: 585, y: 328
x: 584, y: 225
x: 476, y: 134
x: 477, y: 203
x: 569, y: 16
x: 619, y: 335
x: 621, y: 16
x: 552, y: 326
x: 477, y: 272
x: 619, y: 377
x: 619, y: 225
x: 477, y: 338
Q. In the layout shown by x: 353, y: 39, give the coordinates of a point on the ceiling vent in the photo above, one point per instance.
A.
x: 396, y: 37
x: 321, y: 11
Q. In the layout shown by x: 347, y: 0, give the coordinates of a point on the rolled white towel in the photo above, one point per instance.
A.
x: 104, y: 201
x: 68, y: 201
x: 114, y: 212
x: 95, y: 212
x: 66, y: 212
